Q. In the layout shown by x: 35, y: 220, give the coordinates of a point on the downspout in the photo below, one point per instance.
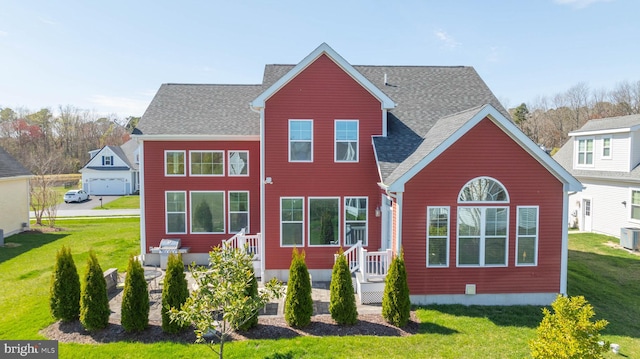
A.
x: 564, y: 252
x: 143, y: 237
x: 262, y: 194
x: 399, y: 222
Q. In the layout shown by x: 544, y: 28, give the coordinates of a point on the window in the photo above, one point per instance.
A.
x: 438, y: 236
x: 606, y: 147
x: 175, y: 206
x: 323, y: 221
x: 585, y: 151
x: 238, y: 211
x: 207, y: 163
x: 174, y: 163
x: 527, y: 236
x: 238, y: 163
x: 300, y: 140
x: 635, y: 204
x: 483, y: 189
x: 482, y: 236
x: 207, y: 212
x: 107, y: 160
x: 355, y: 217
x: 346, y: 141
x: 292, y: 221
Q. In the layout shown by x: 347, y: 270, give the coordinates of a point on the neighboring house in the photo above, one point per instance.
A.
x: 14, y: 195
x: 112, y: 170
x: 605, y: 156
x: 373, y: 159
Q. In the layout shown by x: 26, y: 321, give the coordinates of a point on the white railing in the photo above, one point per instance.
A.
x: 374, y: 265
x: 252, y: 243
x: 352, y: 256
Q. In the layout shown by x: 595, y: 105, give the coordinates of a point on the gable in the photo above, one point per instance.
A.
x: 10, y: 167
x: 109, y: 158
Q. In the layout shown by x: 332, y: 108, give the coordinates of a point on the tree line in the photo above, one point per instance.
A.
x: 548, y: 119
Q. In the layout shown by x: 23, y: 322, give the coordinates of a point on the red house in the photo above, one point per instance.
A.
x: 373, y: 159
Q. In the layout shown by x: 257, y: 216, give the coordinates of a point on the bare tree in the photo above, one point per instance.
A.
x: 44, y: 198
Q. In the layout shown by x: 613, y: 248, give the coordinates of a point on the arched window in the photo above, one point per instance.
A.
x: 483, y: 189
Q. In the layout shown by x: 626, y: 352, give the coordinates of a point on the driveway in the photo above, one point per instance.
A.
x: 93, y: 202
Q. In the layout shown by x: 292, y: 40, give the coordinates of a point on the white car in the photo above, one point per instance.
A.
x: 76, y: 195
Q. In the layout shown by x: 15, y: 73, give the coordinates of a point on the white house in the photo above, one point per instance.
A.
x: 14, y: 195
x: 605, y: 156
x: 112, y: 170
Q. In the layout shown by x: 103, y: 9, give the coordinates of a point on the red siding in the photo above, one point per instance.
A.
x: 156, y: 184
x: 322, y: 92
x: 484, y: 151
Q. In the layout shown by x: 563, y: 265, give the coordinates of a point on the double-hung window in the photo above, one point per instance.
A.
x: 207, y: 163
x: 355, y: 218
x: 300, y: 140
x: 238, y: 163
x: 238, y: 212
x: 174, y: 163
x: 635, y: 204
x: 176, y: 215
x: 437, y: 236
x: 107, y: 160
x: 585, y: 152
x: 207, y: 212
x: 346, y: 141
x: 527, y: 236
x: 292, y: 221
x: 606, y: 147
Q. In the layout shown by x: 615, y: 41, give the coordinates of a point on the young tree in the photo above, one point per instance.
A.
x: 64, y: 299
x: 251, y: 291
x: 94, y: 303
x: 219, y: 299
x: 298, y: 306
x: 396, y: 304
x: 342, y: 305
x: 174, y: 293
x: 135, y: 298
x: 568, y: 332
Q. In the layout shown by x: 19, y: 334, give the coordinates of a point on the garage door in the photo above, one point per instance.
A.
x: 107, y: 186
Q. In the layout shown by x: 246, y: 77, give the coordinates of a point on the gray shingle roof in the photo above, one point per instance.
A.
x: 610, y: 123
x: 10, y: 167
x: 128, y: 149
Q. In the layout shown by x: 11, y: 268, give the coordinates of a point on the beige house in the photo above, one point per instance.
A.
x: 14, y: 195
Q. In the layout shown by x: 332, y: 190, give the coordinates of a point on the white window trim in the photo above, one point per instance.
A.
x: 247, y: 229
x: 309, y: 220
x: 166, y: 212
x: 448, y: 236
x: 630, y: 206
x: 507, y: 199
x: 482, y: 239
x: 537, y: 236
x: 301, y: 222
x: 205, y: 151
x: 289, y: 140
x: 229, y: 163
x: 108, y: 160
x: 577, y: 151
x: 192, y: 210
x: 335, y: 141
x: 185, y: 164
x: 610, y: 156
x: 366, y: 221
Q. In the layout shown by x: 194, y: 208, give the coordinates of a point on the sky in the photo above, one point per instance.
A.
x: 110, y: 57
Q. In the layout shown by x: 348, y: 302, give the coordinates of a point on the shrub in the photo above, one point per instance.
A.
x: 251, y: 291
x: 568, y: 332
x: 396, y: 305
x: 298, y: 306
x: 342, y: 305
x: 64, y: 299
x: 174, y: 293
x: 94, y: 303
x: 135, y: 298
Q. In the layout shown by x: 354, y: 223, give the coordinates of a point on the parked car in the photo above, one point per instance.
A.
x: 76, y: 195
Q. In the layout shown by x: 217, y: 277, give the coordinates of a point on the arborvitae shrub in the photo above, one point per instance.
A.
x: 174, y: 293
x: 396, y: 304
x: 94, y: 303
x: 568, y: 332
x: 252, y: 292
x: 298, y: 306
x: 135, y: 299
x: 64, y: 299
x: 342, y: 305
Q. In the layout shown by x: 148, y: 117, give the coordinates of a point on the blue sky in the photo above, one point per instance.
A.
x: 110, y: 57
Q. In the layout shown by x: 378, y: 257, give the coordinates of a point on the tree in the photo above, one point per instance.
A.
x: 396, y: 304
x: 204, y: 217
x: 298, y: 306
x: 174, y: 293
x: 568, y: 332
x: 94, y: 303
x: 520, y: 114
x: 251, y: 291
x: 135, y: 298
x: 64, y: 299
x: 342, y: 305
x: 219, y: 299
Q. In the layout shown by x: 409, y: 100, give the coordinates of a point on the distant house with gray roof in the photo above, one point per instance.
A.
x: 324, y: 155
x: 112, y: 170
x: 14, y: 195
x: 605, y: 156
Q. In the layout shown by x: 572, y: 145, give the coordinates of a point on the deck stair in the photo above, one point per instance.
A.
x: 369, y: 271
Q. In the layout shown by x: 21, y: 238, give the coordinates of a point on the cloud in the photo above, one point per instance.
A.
x: 3, y: 33
x: 579, y: 4
x: 446, y: 39
x: 120, y: 105
x: 47, y: 21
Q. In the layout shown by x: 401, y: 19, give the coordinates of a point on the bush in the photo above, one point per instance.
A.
x: 64, y: 299
x: 396, y: 305
x: 174, y: 293
x: 298, y: 306
x: 342, y: 305
x: 94, y: 303
x: 568, y: 332
x: 135, y: 299
x: 251, y: 291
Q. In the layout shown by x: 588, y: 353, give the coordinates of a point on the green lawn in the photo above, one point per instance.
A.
x: 609, y: 278
x: 124, y: 202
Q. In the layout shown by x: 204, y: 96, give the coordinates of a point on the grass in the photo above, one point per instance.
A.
x: 607, y: 277
x: 124, y: 202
